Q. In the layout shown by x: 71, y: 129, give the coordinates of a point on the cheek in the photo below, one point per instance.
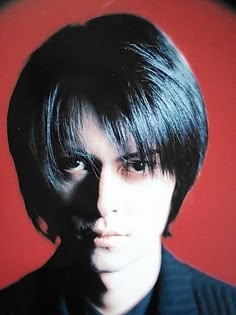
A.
x: 148, y: 207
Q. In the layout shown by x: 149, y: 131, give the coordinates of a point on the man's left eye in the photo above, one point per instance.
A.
x: 136, y: 166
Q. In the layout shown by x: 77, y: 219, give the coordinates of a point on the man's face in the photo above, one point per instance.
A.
x: 131, y: 203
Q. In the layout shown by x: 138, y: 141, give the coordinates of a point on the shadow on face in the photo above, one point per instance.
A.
x: 73, y: 258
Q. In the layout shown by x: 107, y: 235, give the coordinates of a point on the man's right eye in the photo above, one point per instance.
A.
x: 74, y: 164
x: 78, y: 165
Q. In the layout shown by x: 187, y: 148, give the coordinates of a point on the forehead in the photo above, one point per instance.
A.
x: 96, y: 141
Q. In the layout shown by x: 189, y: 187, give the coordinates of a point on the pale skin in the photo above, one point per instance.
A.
x: 133, y: 205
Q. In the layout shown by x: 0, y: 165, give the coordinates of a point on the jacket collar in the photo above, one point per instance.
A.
x: 174, y: 291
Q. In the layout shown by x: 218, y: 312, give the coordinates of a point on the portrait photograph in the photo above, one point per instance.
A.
x: 117, y: 134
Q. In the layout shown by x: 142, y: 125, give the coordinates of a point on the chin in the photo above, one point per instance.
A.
x: 106, y: 261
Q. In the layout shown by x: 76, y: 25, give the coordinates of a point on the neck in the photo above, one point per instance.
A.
x: 138, y: 278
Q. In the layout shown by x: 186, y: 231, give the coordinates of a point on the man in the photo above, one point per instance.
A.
x: 108, y: 131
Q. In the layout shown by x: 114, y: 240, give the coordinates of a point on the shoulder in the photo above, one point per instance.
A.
x: 33, y: 294
x: 213, y: 295
x: 190, y: 288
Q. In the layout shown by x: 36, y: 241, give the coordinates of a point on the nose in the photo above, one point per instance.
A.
x: 109, y: 193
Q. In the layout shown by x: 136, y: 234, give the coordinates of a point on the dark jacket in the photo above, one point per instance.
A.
x: 180, y: 290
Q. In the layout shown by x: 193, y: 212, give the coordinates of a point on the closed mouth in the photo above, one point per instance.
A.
x: 109, y: 239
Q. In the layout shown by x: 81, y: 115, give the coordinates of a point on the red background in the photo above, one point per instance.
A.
x: 205, y: 231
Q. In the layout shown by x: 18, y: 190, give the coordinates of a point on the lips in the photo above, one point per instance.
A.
x: 109, y: 239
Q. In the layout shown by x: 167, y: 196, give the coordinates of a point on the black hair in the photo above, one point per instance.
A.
x: 135, y: 80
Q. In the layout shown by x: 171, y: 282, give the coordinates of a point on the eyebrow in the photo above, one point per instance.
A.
x: 86, y: 155
x: 138, y: 155
x: 129, y: 156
